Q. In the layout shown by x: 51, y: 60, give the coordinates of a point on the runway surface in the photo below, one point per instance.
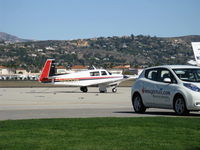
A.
x: 31, y: 103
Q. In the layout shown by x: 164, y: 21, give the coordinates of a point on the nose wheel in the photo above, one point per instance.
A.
x: 114, y: 90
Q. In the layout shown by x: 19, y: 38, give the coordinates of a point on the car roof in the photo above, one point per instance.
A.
x: 176, y: 67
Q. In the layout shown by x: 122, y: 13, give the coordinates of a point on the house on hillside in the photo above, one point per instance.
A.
x: 82, y: 43
x: 49, y: 48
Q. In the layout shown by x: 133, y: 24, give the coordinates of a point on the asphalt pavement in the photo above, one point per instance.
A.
x: 70, y: 102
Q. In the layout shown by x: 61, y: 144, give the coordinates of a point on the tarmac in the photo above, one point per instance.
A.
x: 70, y: 102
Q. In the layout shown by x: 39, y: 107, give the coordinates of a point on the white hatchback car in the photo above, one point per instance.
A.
x: 172, y: 87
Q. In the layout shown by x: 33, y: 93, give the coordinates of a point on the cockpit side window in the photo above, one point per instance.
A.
x: 103, y: 73
x: 95, y: 73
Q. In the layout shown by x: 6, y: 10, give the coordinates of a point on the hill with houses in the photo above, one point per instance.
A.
x: 106, y: 52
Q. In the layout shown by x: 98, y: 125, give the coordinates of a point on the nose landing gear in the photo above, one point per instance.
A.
x: 114, y: 90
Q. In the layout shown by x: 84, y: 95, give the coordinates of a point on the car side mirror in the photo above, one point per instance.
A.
x: 167, y: 80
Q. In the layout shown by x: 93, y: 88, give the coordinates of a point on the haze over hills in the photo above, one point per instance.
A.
x: 11, y: 38
x: 138, y: 51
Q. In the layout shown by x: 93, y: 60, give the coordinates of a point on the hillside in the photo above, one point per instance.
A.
x: 138, y: 51
x: 10, y: 38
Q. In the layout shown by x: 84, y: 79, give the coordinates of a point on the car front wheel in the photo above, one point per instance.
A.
x: 180, y: 106
x: 138, y: 104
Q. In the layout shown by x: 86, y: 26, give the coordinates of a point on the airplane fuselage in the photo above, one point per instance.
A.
x: 85, y: 78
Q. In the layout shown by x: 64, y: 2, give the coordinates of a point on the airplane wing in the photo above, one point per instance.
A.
x: 111, y: 83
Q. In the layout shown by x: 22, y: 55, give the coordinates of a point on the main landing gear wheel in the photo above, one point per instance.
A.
x: 114, y: 90
x: 84, y: 89
x: 138, y: 104
x: 180, y: 107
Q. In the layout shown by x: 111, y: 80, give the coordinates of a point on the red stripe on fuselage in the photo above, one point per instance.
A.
x: 86, y: 78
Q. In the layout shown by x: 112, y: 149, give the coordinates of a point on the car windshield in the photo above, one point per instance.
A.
x: 189, y: 75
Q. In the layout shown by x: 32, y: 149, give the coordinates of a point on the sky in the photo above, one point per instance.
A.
x: 78, y: 19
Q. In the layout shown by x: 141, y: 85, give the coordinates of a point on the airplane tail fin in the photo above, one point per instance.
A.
x: 48, y: 71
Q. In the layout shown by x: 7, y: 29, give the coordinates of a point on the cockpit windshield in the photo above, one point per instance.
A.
x: 189, y: 75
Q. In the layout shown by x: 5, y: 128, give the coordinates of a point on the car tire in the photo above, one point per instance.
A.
x: 180, y: 106
x: 137, y: 103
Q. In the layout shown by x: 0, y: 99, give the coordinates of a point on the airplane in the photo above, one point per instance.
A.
x: 196, y: 50
x: 82, y: 79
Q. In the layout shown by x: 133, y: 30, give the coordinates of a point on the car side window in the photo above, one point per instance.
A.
x: 152, y: 74
x: 94, y: 73
x: 198, y: 74
x: 165, y: 73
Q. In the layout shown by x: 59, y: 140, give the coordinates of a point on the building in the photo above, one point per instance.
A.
x: 119, y: 69
x: 5, y: 71
x: 82, y: 43
x: 78, y: 68
x: 49, y: 48
x: 135, y: 71
x: 21, y: 71
x: 61, y: 70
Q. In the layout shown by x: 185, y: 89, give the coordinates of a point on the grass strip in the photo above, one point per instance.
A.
x: 150, y: 133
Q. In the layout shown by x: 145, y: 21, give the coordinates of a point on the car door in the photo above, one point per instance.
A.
x: 164, y: 91
x: 149, y: 85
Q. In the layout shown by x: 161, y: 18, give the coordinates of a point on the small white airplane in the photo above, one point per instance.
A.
x: 196, y: 50
x: 82, y: 79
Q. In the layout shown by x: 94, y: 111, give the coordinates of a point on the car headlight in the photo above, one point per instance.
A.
x: 192, y: 87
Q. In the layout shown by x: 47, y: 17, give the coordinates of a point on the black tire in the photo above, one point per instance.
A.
x: 180, y: 106
x: 114, y: 90
x: 137, y: 103
x: 84, y: 89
